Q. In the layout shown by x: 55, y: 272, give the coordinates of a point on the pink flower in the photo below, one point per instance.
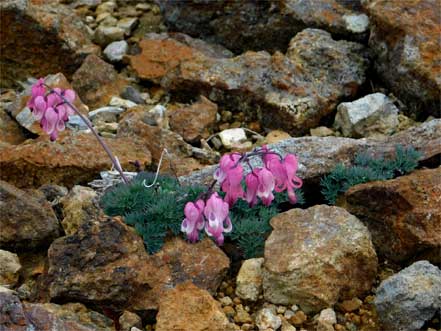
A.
x: 229, y: 175
x: 216, y: 213
x: 284, y: 173
x: 260, y: 183
x: 194, y: 219
x: 38, y: 90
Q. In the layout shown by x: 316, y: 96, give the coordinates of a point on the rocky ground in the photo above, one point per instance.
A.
x: 324, y: 80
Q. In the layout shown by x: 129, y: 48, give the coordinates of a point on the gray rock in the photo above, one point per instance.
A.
x: 372, y: 114
x: 326, y: 320
x: 108, y: 114
x: 249, y: 279
x: 127, y: 24
x: 104, y: 35
x: 132, y: 94
x: 408, y: 299
x: 233, y: 138
x: 76, y: 123
x: 120, y: 102
x: 317, y: 156
x: 9, y: 268
x: 266, y: 318
x: 114, y: 52
x: 315, y: 257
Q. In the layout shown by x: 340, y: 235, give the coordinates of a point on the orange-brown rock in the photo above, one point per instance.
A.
x: 39, y: 39
x: 193, y: 122
x: 10, y: 132
x: 105, y: 263
x: 26, y: 219
x: 189, y: 308
x: 72, y: 159
x: 405, y: 39
x: 315, y: 257
x: 403, y: 214
x: 96, y: 82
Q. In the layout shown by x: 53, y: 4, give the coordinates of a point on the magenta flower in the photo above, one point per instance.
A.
x: 266, y: 186
x: 252, y: 182
x: 51, y: 109
x: 229, y: 175
x: 216, y: 213
x: 194, y: 219
x: 284, y: 173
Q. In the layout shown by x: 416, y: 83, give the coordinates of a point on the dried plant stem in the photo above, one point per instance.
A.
x: 114, y: 160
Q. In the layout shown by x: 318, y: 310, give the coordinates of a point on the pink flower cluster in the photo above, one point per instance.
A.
x: 50, y: 108
x: 277, y: 174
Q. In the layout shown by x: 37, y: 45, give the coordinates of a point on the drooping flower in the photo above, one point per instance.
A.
x: 284, y: 173
x: 194, y: 219
x: 217, y: 218
x: 251, y: 182
x: 229, y: 175
x: 37, y: 90
x: 266, y: 186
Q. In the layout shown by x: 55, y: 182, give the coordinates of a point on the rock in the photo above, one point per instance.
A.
x: 23, y: 114
x: 18, y: 316
x: 326, y: 320
x: 407, y: 59
x: 276, y: 89
x: 97, y: 81
x: 226, y: 301
x: 350, y: 305
x: 79, y: 206
x: 9, y: 268
x: 27, y: 220
x: 242, y: 316
x: 104, y: 35
x: 275, y: 136
x: 249, y: 25
x: 287, y: 327
x: 119, y: 102
x: 10, y: 132
x: 106, y: 7
x: 128, y: 24
x: 405, y: 301
x: 266, y: 318
x: 115, y: 51
x: 72, y: 159
x: 321, y: 131
x: 128, y: 320
x: 315, y: 257
x: 106, y: 114
x: 403, y: 214
x: 120, y: 274
x: 318, y: 156
x: 203, y: 263
x: 298, y: 318
x: 233, y: 138
x: 372, y: 114
x: 132, y: 94
x: 46, y: 38
x: 193, y: 122
x: 188, y: 308
x: 155, y: 138
x: 249, y: 279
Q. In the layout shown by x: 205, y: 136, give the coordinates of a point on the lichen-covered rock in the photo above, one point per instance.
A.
x: 291, y: 92
x: 262, y: 25
x: 405, y: 40
x: 372, y: 114
x: 72, y: 159
x: 315, y: 257
x: 403, y: 214
x: 128, y: 320
x: 405, y: 301
x: 9, y: 268
x: 96, y: 81
x: 39, y: 38
x: 189, y: 308
x: 26, y: 220
x: 249, y: 279
x: 105, y: 263
x: 80, y: 205
x: 195, y: 121
x: 267, y: 318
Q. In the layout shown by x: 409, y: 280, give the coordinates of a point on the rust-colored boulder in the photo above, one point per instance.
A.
x: 26, y: 219
x: 40, y: 38
x: 315, y: 257
x: 403, y: 214
x: 195, y: 121
x: 10, y: 132
x: 72, y: 159
x: 96, y: 82
x: 405, y: 40
x: 189, y: 308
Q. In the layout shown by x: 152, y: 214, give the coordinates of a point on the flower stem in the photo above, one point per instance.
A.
x: 115, y: 163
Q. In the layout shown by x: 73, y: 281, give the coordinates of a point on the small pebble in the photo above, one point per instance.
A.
x: 281, y: 309
x: 237, y: 301
x: 299, y: 318
x: 351, y: 305
x: 229, y: 311
x: 226, y: 301
x: 242, y: 315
